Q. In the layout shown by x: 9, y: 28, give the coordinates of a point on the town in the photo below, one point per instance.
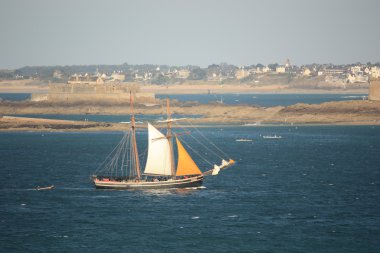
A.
x: 305, y: 76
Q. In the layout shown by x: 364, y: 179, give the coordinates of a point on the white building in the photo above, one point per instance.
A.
x: 281, y: 69
x: 375, y: 72
x: 306, y: 72
x: 266, y: 69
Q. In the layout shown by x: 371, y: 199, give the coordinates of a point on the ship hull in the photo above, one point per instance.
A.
x: 130, y: 185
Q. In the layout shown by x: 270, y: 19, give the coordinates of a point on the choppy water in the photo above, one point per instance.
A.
x: 314, y: 190
x: 14, y: 96
x: 252, y: 99
x: 265, y: 99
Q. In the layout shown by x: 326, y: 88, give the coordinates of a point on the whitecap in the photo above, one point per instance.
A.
x: 195, y: 217
x: 233, y: 216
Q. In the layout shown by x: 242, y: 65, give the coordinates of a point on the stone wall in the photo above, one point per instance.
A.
x: 82, y: 97
x: 374, y: 90
x: 94, y: 93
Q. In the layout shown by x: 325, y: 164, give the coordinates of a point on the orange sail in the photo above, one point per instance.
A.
x: 186, y: 165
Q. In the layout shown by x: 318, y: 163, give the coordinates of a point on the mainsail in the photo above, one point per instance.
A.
x: 186, y: 166
x: 159, y: 155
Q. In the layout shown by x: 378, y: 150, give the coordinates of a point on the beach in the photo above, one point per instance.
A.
x: 195, y: 87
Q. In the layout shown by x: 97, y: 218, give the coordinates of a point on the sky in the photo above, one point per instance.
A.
x: 184, y: 32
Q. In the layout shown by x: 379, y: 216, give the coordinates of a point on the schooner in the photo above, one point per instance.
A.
x: 121, y: 169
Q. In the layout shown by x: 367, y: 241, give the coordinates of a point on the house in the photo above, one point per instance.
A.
x: 183, y: 73
x: 356, y: 70
x: 118, y: 76
x: 306, y: 72
x: 280, y: 69
x: 147, y: 76
x: 266, y: 69
x: 85, y: 79
x: 352, y: 78
x: 375, y: 72
x: 241, y: 73
x: 57, y: 74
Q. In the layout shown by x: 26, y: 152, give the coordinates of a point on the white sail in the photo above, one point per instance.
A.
x: 159, y: 157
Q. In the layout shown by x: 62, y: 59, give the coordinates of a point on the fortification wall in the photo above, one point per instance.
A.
x: 95, y: 93
x: 374, y: 90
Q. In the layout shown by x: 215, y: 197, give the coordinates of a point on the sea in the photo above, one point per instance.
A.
x: 264, y: 100
x: 316, y: 189
x: 236, y: 98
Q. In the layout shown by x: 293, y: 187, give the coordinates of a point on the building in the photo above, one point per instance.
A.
x: 109, y: 93
x: 118, y: 76
x: 374, y: 89
x: 306, y: 72
x: 280, y: 69
x: 183, y: 73
x: 241, y: 73
x: 57, y: 74
x: 375, y: 72
x: 356, y: 70
x: 352, y: 78
x: 334, y: 71
x: 266, y: 69
x: 85, y: 79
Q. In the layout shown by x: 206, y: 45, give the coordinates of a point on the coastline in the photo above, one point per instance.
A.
x: 355, y: 112
x: 26, y: 86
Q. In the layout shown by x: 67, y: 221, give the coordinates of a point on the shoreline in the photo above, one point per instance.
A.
x: 354, y: 112
x: 12, y: 86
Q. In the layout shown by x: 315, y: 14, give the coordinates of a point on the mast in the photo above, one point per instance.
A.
x: 170, y: 139
x: 134, y: 145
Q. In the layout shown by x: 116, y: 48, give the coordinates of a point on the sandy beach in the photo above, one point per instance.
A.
x: 35, y: 86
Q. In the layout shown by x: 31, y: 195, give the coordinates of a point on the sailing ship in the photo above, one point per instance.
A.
x: 121, y: 169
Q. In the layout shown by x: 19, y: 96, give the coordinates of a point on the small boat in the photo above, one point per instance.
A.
x: 244, y: 140
x: 272, y: 136
x: 121, y: 169
x: 38, y: 188
x: 252, y: 124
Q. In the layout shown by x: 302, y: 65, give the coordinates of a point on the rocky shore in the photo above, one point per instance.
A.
x: 355, y: 112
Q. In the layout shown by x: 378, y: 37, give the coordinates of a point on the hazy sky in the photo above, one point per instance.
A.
x: 181, y: 32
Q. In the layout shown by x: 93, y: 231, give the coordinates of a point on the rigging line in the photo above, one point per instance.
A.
x: 115, y: 160
x: 100, y: 167
x: 211, y: 151
x: 207, y: 161
x: 112, y: 165
x: 127, y: 157
x: 132, y: 159
x: 227, y: 156
x: 123, y: 158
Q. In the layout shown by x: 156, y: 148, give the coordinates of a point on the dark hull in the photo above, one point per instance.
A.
x: 170, y: 184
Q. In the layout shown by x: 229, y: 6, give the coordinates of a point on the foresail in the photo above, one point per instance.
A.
x: 186, y: 165
x: 159, y: 160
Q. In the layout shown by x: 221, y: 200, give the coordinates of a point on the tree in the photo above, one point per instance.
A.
x: 197, y: 74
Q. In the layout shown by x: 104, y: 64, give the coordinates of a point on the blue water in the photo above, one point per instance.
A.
x: 314, y: 190
x: 253, y: 99
x: 14, y: 96
x: 265, y: 99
